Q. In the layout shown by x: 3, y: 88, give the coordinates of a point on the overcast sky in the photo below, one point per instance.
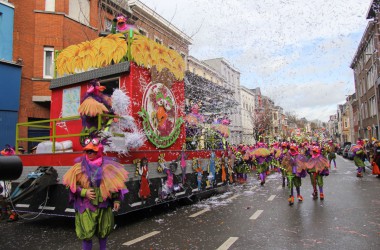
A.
x: 297, y: 51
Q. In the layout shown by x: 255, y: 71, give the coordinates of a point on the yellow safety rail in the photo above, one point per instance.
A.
x: 53, y: 124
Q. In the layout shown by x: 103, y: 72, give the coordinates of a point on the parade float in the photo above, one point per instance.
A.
x: 132, y: 90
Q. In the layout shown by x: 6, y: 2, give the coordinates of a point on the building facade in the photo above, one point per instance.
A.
x: 247, y: 113
x: 366, y: 74
x: 53, y: 25
x: 232, y: 82
x: 10, y: 81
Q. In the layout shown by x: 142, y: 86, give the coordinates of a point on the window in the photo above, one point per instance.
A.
x: 372, y: 106
x: 110, y: 84
x: 142, y: 32
x: 50, y: 5
x: 107, y: 24
x: 79, y: 10
x: 48, y: 70
x: 158, y: 40
x: 371, y: 76
x: 369, y: 49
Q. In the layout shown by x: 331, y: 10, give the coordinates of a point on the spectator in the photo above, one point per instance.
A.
x: 33, y: 150
x: 21, y: 150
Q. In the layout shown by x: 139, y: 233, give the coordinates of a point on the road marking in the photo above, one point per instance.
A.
x: 228, y: 243
x: 46, y: 208
x: 256, y: 215
x: 200, y: 212
x: 131, y: 242
x: 23, y: 205
x: 271, y: 197
x: 279, y: 187
x: 233, y: 197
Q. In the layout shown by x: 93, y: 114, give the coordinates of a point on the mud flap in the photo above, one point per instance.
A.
x: 35, y: 182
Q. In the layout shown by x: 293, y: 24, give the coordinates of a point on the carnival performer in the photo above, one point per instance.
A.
x: 144, y: 191
x: 284, y: 151
x: 359, y: 157
x: 241, y: 168
x: 262, y: 158
x: 294, y: 166
x: 376, y: 158
x: 94, y: 103
x: 231, y: 166
x: 276, y: 154
x: 317, y: 167
x: 97, y: 185
x: 331, y: 149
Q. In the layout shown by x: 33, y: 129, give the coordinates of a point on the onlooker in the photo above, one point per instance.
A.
x: 33, y: 150
x: 21, y: 150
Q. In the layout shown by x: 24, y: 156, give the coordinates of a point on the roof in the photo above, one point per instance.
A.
x: 89, y: 75
x: 373, y: 9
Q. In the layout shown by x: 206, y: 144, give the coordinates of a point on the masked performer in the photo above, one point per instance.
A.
x: 317, y: 167
x: 359, y: 157
x: 97, y: 185
x: 294, y: 166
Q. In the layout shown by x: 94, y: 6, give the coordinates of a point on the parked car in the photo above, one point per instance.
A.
x: 345, y: 151
x: 350, y: 154
x: 341, y: 147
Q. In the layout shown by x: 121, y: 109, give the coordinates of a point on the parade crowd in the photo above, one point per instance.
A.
x: 295, y: 161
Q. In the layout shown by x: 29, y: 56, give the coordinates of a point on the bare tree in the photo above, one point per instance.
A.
x: 261, y: 119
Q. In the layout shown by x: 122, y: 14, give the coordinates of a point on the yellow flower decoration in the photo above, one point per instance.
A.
x: 104, y: 51
x: 115, y: 47
x: 87, y: 54
x: 139, y: 48
x: 64, y: 61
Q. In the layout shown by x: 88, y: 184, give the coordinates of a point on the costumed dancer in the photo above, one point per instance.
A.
x: 94, y: 103
x: 231, y: 166
x: 331, y: 149
x: 284, y: 151
x: 262, y: 156
x: 241, y: 168
x: 318, y: 167
x: 294, y: 166
x: 276, y: 153
x: 144, y: 191
x: 359, y: 157
x: 376, y: 159
x: 97, y: 185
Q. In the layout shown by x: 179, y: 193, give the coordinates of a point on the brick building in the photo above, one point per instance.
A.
x: 42, y: 27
